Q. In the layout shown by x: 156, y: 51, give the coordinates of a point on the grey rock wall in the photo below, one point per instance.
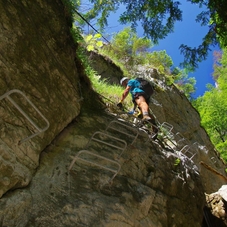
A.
x: 36, y: 58
x: 105, y: 68
x: 173, y: 107
x: 36, y: 187
x: 147, y: 191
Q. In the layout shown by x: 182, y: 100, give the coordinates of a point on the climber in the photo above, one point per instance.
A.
x: 139, y: 97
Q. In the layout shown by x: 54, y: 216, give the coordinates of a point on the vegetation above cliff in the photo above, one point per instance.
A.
x: 157, y: 19
x: 129, y: 51
x: 212, y: 106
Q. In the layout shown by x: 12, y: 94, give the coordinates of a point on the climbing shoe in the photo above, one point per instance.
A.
x: 146, y: 118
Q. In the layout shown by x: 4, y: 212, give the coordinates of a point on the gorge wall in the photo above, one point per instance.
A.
x: 40, y: 67
x: 37, y: 58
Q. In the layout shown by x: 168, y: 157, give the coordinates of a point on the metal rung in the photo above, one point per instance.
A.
x: 152, y: 134
x: 200, y: 147
x: 125, y: 133
x: 106, y: 143
x: 96, y: 164
x: 213, y: 159
x: 167, y: 134
x: 167, y: 126
x: 166, y: 129
x: 40, y: 130
x: 185, y: 150
x: 179, y: 137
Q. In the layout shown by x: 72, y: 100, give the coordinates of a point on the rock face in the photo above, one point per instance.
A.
x: 186, y: 121
x: 105, y: 68
x: 130, y: 180
x: 148, y: 191
x: 37, y: 59
x: 217, y: 204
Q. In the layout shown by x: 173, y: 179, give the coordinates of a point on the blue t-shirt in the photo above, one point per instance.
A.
x: 134, y: 87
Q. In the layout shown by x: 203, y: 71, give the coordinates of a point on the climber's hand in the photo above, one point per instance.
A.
x: 120, y: 105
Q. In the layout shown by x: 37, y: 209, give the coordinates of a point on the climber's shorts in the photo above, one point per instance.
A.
x: 137, y: 95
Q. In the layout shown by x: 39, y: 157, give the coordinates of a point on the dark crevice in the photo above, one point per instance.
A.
x: 209, y: 220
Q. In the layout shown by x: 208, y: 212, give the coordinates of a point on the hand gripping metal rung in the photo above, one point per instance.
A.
x: 124, y: 144
x: 115, y: 171
x: 131, y: 129
x: 40, y: 130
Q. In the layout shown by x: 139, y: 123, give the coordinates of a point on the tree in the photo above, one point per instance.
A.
x: 212, y: 107
x: 183, y: 82
x: 130, y: 50
x: 213, y: 110
x: 160, y: 60
x: 217, y: 56
x: 157, y: 18
x: 127, y: 47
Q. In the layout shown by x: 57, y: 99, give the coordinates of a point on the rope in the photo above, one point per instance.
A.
x: 90, y: 25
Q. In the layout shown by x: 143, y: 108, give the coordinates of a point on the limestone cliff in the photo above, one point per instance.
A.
x: 49, y: 114
x: 37, y: 58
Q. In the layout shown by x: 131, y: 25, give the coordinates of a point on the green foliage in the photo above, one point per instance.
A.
x: 183, y: 82
x: 76, y: 34
x: 212, y: 107
x: 93, y: 42
x: 71, y: 6
x: 111, y: 92
x: 126, y: 47
x: 127, y: 50
x: 221, y: 147
x: 132, y: 50
x: 78, y: 39
x: 101, y: 10
x: 177, y: 162
x: 218, y: 15
x: 160, y: 60
x: 157, y: 18
x: 192, y: 56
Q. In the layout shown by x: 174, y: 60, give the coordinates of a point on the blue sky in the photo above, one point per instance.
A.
x: 186, y: 32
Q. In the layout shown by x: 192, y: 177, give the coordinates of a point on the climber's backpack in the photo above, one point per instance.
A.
x: 146, y: 86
